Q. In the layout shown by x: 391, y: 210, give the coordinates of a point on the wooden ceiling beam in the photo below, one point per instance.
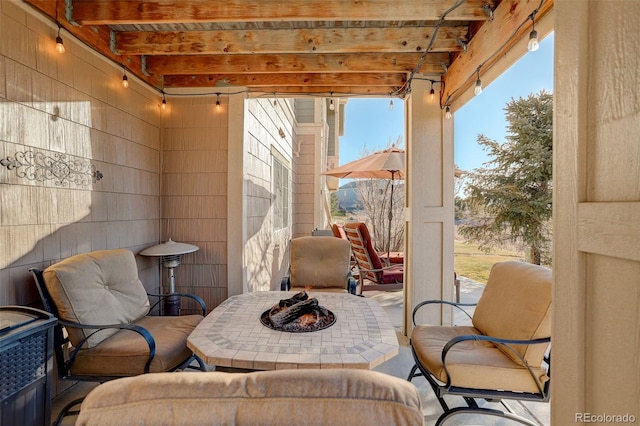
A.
x: 97, y: 38
x: 490, y: 43
x: 327, y: 91
x: 257, y: 80
x: 336, y: 40
x: 295, y: 63
x: 113, y: 12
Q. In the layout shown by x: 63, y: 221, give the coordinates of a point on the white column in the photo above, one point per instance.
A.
x: 429, y: 202
x: 236, y: 206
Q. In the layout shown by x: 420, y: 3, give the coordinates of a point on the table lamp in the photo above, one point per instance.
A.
x: 170, y: 254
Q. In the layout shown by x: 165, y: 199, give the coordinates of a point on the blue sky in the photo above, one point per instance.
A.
x: 370, y: 123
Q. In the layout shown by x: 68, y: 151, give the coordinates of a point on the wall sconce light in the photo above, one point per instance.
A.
x: 59, y: 42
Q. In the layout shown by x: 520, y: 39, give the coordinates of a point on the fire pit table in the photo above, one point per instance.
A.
x: 232, y: 335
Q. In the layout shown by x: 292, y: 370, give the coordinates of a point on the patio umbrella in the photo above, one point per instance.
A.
x: 385, y: 164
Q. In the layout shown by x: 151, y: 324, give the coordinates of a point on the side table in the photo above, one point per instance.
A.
x: 26, y: 357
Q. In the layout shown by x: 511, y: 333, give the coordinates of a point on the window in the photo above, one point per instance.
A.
x: 280, y: 197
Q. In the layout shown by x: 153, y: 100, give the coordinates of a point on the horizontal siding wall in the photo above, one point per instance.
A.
x: 266, y: 249
x: 304, y: 188
x: 71, y: 107
x: 194, y: 193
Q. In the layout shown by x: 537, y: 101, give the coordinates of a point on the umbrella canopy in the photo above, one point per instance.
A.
x: 385, y: 164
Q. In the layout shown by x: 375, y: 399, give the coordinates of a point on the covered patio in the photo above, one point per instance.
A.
x: 207, y: 132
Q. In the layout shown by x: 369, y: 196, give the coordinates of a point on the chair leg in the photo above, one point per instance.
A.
x: 203, y: 366
x: 483, y: 411
x: 429, y: 379
x: 187, y: 364
x: 412, y: 373
x: 66, y: 410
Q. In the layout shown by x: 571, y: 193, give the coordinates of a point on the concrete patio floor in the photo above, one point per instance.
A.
x: 398, y: 366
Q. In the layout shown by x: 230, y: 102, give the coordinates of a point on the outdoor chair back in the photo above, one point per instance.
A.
x: 321, y: 263
x: 370, y: 266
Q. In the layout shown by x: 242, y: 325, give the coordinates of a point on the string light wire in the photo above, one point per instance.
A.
x: 515, y: 31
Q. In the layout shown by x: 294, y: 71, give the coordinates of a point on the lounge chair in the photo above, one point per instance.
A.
x: 370, y: 265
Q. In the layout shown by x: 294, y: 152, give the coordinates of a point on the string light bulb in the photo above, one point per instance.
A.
x: 533, y: 44
x: 447, y: 112
x: 125, y: 79
x: 332, y: 106
x: 463, y: 44
x: 391, y: 105
x: 218, y: 102
x: 59, y: 42
x: 164, y: 102
x: 432, y: 92
x: 478, y: 88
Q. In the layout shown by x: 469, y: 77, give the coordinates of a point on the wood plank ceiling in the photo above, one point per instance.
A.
x: 289, y: 47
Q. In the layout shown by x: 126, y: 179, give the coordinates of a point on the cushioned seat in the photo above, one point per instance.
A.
x: 503, y: 354
x: 124, y: 353
x: 279, y: 397
x: 473, y: 363
x: 102, y: 288
x: 103, y: 307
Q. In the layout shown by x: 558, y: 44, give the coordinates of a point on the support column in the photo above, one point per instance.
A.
x: 429, y: 207
x: 236, y: 209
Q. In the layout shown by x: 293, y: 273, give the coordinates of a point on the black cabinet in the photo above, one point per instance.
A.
x: 26, y: 360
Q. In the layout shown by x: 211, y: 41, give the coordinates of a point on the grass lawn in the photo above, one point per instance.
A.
x: 474, y: 264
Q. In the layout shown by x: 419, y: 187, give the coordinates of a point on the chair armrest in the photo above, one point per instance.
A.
x: 285, y: 284
x: 440, y: 302
x: 497, y: 341
x: 187, y: 295
x: 151, y: 343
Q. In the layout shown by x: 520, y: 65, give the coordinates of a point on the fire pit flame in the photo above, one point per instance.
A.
x: 299, y: 313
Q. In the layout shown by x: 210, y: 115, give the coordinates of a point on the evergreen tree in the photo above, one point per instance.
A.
x: 511, y: 196
x: 336, y: 209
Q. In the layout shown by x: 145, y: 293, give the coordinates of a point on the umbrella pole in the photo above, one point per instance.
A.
x: 390, y: 219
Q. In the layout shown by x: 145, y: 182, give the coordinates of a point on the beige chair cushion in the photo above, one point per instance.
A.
x: 280, y: 397
x: 471, y: 364
x: 101, y: 287
x: 516, y: 304
x: 126, y: 353
x: 320, y: 262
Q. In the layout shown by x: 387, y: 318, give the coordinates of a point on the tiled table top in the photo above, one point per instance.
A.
x: 233, y: 336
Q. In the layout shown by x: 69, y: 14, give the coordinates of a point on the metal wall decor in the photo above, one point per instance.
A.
x: 63, y: 171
